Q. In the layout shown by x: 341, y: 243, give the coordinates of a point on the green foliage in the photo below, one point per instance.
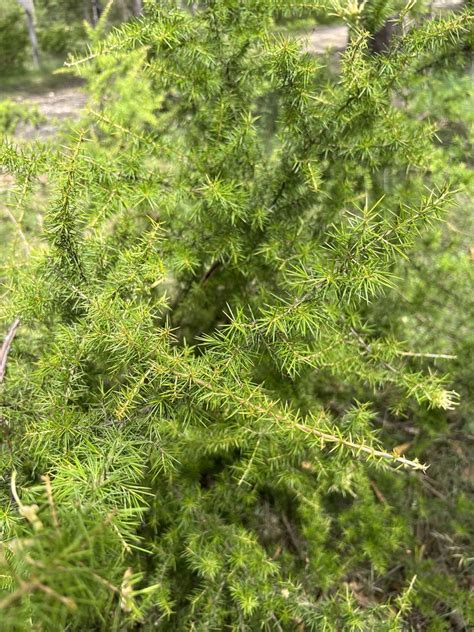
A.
x: 60, y: 38
x: 13, y: 37
x: 11, y: 114
x: 62, y: 27
x: 205, y: 409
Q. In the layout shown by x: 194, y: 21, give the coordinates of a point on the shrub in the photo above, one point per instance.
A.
x: 60, y: 38
x: 11, y: 114
x: 197, y: 398
x: 13, y: 37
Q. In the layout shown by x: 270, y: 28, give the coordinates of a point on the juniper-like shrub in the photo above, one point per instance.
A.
x: 217, y: 352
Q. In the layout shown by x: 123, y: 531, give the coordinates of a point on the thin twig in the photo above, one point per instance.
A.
x: 211, y: 271
x: 29, y: 512
x: 7, y: 343
x: 378, y: 493
x: 291, y: 534
x: 411, y: 354
x: 18, y: 228
x: 49, y: 491
x: 249, y: 465
x: 357, y: 447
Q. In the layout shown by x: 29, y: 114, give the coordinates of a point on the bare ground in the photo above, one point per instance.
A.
x: 56, y: 106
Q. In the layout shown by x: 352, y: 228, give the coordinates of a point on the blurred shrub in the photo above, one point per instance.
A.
x: 59, y: 38
x: 11, y: 114
x: 13, y: 36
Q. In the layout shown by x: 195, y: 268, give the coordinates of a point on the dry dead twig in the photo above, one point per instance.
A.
x: 7, y: 343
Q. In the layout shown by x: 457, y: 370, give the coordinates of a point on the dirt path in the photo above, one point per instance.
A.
x: 56, y: 106
x: 324, y: 38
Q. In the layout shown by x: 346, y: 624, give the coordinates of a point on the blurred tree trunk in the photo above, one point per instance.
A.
x: 382, y: 39
x: 96, y: 11
x: 29, y: 8
x: 137, y: 7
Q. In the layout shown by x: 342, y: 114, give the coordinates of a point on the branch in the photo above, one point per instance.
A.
x: 411, y: 354
x: 286, y: 420
x: 360, y: 447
